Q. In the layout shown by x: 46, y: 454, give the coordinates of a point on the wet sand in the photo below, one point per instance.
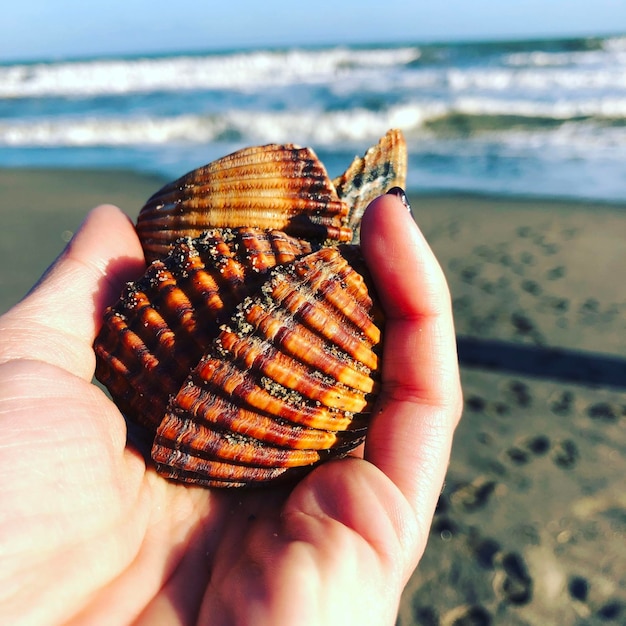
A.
x: 531, y: 526
x: 40, y: 211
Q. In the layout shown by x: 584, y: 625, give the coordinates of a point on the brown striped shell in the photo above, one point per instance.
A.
x: 281, y: 187
x: 287, y: 383
x: 249, y: 347
x: 382, y: 167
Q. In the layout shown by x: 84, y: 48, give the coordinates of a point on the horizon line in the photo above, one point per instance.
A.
x: 280, y: 47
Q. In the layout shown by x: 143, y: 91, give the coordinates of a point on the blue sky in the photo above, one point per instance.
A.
x: 34, y: 29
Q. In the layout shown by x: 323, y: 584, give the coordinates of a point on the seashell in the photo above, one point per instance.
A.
x: 281, y: 187
x: 249, y: 347
x: 382, y: 167
x: 162, y: 323
x: 287, y: 383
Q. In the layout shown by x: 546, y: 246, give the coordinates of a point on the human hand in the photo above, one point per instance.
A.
x: 90, y: 535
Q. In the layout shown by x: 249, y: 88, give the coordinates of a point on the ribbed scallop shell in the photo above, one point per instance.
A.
x: 281, y: 187
x: 269, y: 187
x: 288, y: 382
x: 163, y: 322
x: 382, y: 167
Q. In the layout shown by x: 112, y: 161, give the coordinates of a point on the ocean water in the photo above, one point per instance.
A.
x: 525, y: 118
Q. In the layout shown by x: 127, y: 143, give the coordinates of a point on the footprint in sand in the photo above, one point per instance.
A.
x: 605, y: 411
x: 524, y: 451
x: 518, y: 455
x: 550, y: 248
x: 476, y: 404
x: 532, y: 287
x: 556, y: 272
x: 474, y: 495
x: 565, y: 454
x: 612, y: 611
x: 426, y: 616
x: 525, y: 327
x: 498, y: 409
x: 527, y: 258
x: 512, y: 582
x: 562, y: 402
x: 495, y: 408
x: 518, y: 393
x: 485, y: 253
x: 555, y: 304
x: 578, y: 588
x: 538, y: 445
x: 486, y: 551
x: 470, y: 273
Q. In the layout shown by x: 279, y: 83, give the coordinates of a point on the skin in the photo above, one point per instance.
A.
x: 90, y: 535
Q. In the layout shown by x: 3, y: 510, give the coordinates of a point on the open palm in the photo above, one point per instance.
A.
x: 90, y: 535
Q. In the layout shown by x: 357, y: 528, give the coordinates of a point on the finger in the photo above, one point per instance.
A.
x: 420, y: 403
x: 58, y: 320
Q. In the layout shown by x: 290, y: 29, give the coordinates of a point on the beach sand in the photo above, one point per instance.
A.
x: 531, y: 525
x: 40, y: 211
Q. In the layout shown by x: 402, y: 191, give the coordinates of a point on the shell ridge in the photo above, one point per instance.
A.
x: 212, y: 408
x: 257, y: 354
x: 209, y: 444
x: 306, y: 347
x: 216, y: 469
x: 219, y: 377
x: 126, y: 342
x: 240, y: 390
x: 317, y: 318
x: 253, y: 154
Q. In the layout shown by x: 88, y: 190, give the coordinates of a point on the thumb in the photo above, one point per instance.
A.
x: 420, y: 402
x: 59, y: 318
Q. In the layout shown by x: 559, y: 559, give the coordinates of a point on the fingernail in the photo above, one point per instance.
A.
x: 398, y: 191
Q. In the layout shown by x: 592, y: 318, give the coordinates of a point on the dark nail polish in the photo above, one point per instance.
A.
x: 398, y: 191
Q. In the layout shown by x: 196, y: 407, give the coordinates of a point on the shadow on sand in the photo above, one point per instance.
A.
x: 585, y: 368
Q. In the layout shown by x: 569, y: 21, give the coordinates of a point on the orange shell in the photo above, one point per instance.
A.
x: 270, y: 187
x: 287, y: 383
x: 163, y: 322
